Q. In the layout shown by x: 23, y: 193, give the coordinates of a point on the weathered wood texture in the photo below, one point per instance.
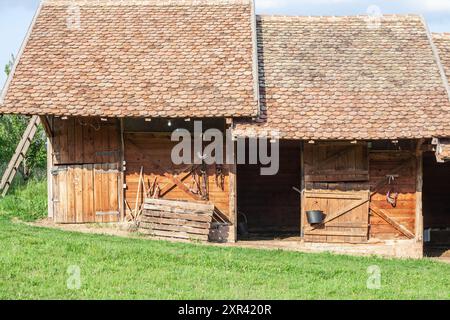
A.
x: 402, y: 164
x: 176, y: 219
x: 86, y: 178
x: 85, y: 141
x: 334, y: 163
x: 269, y: 202
x: 436, y: 193
x: 385, y: 220
x: 86, y: 193
x: 337, y: 183
x: 346, y: 216
x: 153, y: 153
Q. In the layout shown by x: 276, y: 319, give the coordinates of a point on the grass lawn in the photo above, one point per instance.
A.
x: 34, y: 263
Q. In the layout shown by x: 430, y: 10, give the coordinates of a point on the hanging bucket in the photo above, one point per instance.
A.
x: 315, y: 216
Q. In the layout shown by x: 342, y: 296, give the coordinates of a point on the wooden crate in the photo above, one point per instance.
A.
x: 176, y: 219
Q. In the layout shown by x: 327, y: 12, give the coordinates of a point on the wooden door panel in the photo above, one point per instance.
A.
x: 347, y: 216
x: 86, y: 193
x: 106, y: 192
x: 336, y: 163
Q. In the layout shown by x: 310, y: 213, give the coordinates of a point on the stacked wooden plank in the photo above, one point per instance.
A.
x: 176, y: 219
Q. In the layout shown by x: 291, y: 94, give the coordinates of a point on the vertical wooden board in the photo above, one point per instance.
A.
x: 78, y: 196
x: 56, y: 141
x: 98, y: 145
x: 106, y: 192
x: 98, y: 193
x: 88, y: 193
x: 61, y: 186
x: 113, y: 143
x: 50, y: 180
x: 63, y: 143
x: 71, y: 214
x: 114, y: 192
x: 78, y: 144
x: 71, y: 152
x: 56, y: 197
x: 88, y: 139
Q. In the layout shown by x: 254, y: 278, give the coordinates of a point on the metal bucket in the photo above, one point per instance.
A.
x: 315, y: 216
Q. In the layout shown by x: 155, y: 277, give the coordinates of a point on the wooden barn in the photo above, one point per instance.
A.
x: 360, y: 112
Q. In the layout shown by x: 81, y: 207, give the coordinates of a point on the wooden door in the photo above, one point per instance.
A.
x: 346, y: 220
x: 106, y: 192
x: 337, y: 182
x: 86, y: 193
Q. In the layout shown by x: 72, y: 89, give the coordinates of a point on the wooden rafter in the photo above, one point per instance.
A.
x: 46, y: 124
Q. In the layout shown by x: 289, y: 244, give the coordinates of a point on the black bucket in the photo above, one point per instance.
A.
x: 315, y: 216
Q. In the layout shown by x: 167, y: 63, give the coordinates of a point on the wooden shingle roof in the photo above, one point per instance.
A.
x: 138, y: 58
x: 349, y: 78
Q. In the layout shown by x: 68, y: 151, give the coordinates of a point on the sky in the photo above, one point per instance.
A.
x: 16, y: 15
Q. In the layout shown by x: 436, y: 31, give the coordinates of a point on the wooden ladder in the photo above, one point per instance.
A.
x: 19, y: 155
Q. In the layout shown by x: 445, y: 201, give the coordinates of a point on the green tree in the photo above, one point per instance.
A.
x: 12, y: 128
x: 9, y: 65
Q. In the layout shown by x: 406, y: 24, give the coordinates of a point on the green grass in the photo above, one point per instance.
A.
x: 34, y: 264
x: 28, y: 202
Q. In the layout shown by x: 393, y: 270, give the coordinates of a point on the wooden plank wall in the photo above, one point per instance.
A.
x: 351, y: 227
x: 86, y: 193
x: 335, y: 162
x: 86, y: 165
x: 382, y: 163
x: 157, y: 147
x: 269, y: 202
x: 85, y: 140
x: 336, y: 178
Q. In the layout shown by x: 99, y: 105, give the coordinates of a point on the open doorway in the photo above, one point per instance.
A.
x: 436, y: 206
x: 268, y: 206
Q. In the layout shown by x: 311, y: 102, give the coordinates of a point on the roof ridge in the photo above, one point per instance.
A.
x: 332, y: 18
x: 145, y: 2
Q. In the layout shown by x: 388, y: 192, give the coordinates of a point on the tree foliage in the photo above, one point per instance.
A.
x: 12, y: 128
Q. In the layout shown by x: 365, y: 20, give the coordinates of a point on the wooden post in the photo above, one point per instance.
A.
x: 419, y: 186
x: 233, y: 202
x: 232, y: 180
x: 302, y: 188
x: 50, y: 177
x: 122, y: 173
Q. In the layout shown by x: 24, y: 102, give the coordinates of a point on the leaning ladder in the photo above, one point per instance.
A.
x: 19, y: 155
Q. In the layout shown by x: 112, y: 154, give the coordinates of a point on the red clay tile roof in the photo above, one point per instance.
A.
x: 442, y: 42
x: 348, y: 78
x: 148, y: 58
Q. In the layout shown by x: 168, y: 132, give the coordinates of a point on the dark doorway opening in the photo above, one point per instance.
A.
x: 268, y: 206
x: 436, y: 206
